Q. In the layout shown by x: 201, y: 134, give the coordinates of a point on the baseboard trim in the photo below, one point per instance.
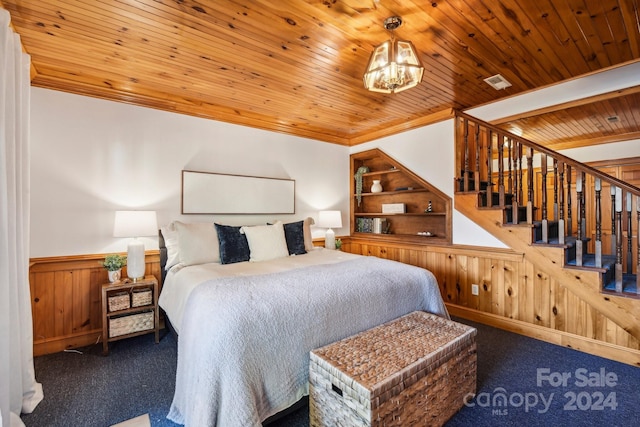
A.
x: 57, y: 344
x: 565, y: 339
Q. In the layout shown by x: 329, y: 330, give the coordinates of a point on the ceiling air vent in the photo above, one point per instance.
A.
x: 613, y: 119
x: 498, y: 82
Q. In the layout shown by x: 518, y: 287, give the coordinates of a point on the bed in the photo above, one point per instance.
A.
x: 246, y: 327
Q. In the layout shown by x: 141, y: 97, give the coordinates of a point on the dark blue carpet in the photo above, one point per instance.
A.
x: 138, y: 377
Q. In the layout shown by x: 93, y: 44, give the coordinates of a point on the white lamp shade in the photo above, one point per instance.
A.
x: 330, y: 219
x: 135, y: 224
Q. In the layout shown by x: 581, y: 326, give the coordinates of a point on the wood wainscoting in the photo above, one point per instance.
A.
x: 65, y: 299
x: 513, y: 295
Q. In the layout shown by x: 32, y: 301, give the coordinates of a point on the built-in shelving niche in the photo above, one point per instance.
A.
x: 417, y: 223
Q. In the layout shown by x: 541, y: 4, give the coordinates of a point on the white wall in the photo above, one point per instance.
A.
x: 91, y: 157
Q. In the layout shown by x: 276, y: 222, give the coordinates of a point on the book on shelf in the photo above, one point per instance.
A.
x: 372, y: 225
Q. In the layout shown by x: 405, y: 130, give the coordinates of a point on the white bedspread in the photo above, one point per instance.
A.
x: 243, y: 350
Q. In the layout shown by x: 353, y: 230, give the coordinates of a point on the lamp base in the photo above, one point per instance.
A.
x: 330, y: 239
x: 135, y: 260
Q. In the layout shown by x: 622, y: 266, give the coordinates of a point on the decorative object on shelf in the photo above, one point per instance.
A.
x: 380, y: 226
x: 114, y: 275
x: 429, y: 207
x: 394, y: 208
x: 135, y: 224
x: 329, y: 220
x: 394, y: 65
x: 376, y: 187
x: 338, y: 244
x: 113, y: 264
x: 358, y: 177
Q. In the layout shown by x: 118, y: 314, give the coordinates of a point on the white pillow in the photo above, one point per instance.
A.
x: 197, y: 243
x: 170, y: 236
x: 266, y: 242
x: 308, y: 239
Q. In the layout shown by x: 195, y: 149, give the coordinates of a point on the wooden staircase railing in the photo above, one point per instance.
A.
x: 503, y: 168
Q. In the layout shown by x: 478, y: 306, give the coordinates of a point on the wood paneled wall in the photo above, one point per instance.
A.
x: 513, y: 295
x: 65, y: 300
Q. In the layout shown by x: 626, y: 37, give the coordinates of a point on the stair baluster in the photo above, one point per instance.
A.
x: 555, y: 189
x: 619, y: 240
x: 638, y: 245
x: 515, y: 201
x: 519, y: 154
x: 543, y: 188
x: 580, y: 202
x: 629, y: 236
x: 583, y: 207
x: 489, y: 201
x: 509, y: 166
x: 465, y: 177
x: 529, y: 186
x: 614, y: 244
x: 500, y: 170
x: 478, y: 145
x: 598, y: 243
x: 569, y: 214
x: 561, y: 226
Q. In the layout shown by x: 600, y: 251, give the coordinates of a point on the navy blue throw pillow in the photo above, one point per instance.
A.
x: 233, y: 244
x: 294, y: 235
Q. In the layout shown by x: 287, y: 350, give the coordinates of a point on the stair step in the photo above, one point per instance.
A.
x: 472, y: 185
x: 537, y: 230
x: 589, y: 262
x: 629, y: 286
x: 508, y: 214
x: 495, y: 198
x: 569, y: 241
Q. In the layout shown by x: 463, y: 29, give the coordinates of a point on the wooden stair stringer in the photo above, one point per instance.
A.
x: 625, y: 312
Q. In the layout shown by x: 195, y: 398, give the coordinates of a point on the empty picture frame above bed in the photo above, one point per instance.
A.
x: 215, y: 193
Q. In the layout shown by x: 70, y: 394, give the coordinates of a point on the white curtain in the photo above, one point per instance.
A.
x: 19, y: 391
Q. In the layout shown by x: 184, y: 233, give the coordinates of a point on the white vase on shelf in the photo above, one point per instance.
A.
x: 376, y: 187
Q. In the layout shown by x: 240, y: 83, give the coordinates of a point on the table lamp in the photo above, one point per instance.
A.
x: 135, y: 224
x: 329, y: 220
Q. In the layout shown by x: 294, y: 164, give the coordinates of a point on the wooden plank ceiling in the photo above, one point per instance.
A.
x: 296, y: 66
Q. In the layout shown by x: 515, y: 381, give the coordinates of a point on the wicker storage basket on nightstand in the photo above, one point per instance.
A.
x: 130, y: 324
x: 140, y: 297
x: 413, y: 371
x: 119, y: 301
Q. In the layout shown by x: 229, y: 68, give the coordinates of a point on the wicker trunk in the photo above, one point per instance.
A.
x: 413, y: 371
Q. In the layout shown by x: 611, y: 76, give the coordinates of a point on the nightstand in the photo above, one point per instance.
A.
x: 129, y: 309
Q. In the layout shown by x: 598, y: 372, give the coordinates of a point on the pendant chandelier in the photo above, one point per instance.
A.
x: 394, y: 65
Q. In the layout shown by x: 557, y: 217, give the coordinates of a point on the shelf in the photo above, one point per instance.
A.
x: 414, y: 238
x: 381, y: 172
x: 381, y: 214
x: 132, y: 310
x: 383, y: 193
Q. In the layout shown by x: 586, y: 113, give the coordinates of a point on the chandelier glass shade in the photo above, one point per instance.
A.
x: 394, y: 65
